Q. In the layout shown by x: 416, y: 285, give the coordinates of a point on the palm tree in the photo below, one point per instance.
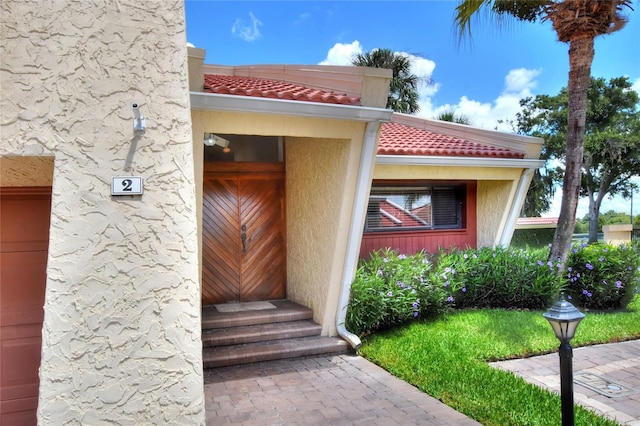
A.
x: 451, y: 116
x: 577, y: 22
x: 403, y: 94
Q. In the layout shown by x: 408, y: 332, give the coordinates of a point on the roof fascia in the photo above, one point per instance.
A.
x: 235, y: 103
x: 441, y: 161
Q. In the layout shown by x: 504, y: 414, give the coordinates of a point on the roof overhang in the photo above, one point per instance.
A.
x: 248, y: 104
x: 473, y: 134
x: 416, y: 160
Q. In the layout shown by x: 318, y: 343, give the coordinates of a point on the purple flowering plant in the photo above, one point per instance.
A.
x: 602, y: 276
x: 392, y: 288
x: 498, y: 278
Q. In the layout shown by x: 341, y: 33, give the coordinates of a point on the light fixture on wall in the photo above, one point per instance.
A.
x: 139, y: 122
x: 211, y: 139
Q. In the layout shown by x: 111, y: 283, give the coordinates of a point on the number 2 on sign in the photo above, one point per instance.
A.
x: 126, y: 185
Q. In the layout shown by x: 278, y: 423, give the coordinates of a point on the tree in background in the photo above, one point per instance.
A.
x: 403, y: 91
x: 578, y: 23
x: 611, y: 143
x: 453, y: 117
x: 609, y: 218
x: 613, y: 218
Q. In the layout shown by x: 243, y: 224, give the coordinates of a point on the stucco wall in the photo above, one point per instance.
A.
x: 317, y: 179
x: 121, y: 336
x: 494, y: 199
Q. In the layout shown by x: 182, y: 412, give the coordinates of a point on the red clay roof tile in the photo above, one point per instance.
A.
x: 400, y: 139
x: 522, y: 221
x: 274, y: 89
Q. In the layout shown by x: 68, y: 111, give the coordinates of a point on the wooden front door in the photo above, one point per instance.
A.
x: 24, y: 240
x: 243, y: 237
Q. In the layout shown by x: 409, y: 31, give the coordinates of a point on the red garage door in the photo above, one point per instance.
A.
x: 24, y: 237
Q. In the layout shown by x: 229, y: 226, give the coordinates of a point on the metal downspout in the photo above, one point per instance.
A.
x: 367, y: 163
x: 516, y: 206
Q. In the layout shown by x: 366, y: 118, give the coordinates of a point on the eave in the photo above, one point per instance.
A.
x: 441, y: 161
x: 247, y: 104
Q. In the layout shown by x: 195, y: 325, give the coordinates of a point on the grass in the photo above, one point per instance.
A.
x: 447, y: 358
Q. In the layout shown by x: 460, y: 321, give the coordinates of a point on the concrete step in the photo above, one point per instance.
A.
x: 259, y: 333
x: 284, y: 311
x: 272, y: 350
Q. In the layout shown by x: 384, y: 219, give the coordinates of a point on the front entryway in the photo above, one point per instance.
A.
x: 243, y: 233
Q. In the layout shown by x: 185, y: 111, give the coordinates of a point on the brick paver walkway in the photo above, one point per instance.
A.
x: 338, y: 390
x: 606, y: 378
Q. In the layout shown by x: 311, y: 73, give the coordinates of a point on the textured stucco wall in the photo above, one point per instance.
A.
x: 494, y: 199
x: 322, y: 161
x: 121, y: 335
x: 318, y: 222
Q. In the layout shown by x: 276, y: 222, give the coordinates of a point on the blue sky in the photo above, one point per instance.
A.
x: 482, y: 78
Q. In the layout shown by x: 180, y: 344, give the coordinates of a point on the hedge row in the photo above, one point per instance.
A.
x: 391, y: 288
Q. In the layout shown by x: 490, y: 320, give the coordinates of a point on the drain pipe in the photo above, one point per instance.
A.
x: 516, y: 206
x: 367, y: 163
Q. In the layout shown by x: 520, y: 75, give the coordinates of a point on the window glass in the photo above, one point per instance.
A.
x: 232, y: 148
x: 405, y: 207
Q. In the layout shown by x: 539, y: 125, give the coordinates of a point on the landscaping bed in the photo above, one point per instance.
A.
x: 436, y: 321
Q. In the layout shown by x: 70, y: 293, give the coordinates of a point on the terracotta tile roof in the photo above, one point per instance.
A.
x: 274, y: 89
x: 400, y: 139
x: 531, y: 221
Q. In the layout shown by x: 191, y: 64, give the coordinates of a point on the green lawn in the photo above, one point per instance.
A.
x: 447, y: 358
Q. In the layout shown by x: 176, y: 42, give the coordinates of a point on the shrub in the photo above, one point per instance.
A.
x: 499, y: 278
x: 602, y: 276
x: 390, y: 289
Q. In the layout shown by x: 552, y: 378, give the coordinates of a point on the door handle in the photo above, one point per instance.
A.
x: 243, y: 237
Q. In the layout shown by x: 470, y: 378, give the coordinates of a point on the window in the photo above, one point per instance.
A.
x: 405, y: 207
x: 243, y: 148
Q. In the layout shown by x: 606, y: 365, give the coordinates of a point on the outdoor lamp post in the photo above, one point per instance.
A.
x: 564, y: 318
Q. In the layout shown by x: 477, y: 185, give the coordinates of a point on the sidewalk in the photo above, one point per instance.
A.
x: 606, y: 378
x: 337, y: 390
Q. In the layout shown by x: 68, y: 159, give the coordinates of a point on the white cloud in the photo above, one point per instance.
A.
x: 247, y: 32
x: 518, y: 84
x: 421, y: 67
x: 342, y: 53
x: 521, y: 80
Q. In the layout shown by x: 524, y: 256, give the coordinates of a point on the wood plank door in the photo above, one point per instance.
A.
x: 244, y: 240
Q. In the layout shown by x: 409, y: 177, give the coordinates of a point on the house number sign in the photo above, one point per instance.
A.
x: 126, y: 185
